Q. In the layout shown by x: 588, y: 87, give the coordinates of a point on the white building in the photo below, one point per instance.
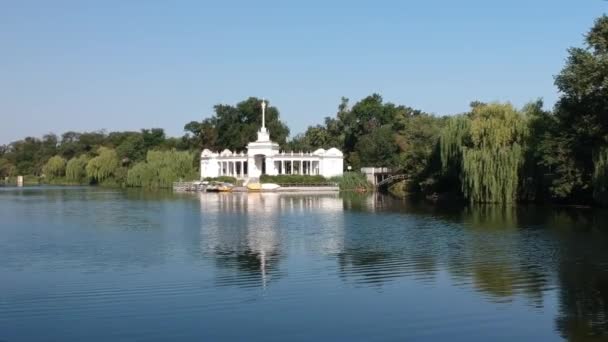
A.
x: 263, y: 157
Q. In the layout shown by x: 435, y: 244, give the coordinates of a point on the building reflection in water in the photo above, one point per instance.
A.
x: 503, y: 254
x: 246, y: 234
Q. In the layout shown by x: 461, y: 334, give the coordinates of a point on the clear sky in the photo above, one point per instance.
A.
x: 128, y: 64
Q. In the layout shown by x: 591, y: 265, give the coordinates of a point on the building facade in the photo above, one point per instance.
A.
x: 264, y: 157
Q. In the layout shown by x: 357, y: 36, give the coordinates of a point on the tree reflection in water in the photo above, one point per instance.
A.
x: 502, y: 253
x: 582, y: 274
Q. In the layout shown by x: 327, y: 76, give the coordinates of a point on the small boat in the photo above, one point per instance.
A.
x: 269, y: 186
x: 224, y: 188
x: 254, y: 186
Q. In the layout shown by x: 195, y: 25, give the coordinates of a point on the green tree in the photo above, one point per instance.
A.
x: 417, y: 139
x: 75, y: 170
x: 103, y: 166
x: 581, y: 127
x: 153, y: 138
x: 239, y: 124
x: 161, y: 169
x: 132, y: 148
x: 7, y: 169
x: 487, y: 149
x: 54, y: 167
x: 377, y: 148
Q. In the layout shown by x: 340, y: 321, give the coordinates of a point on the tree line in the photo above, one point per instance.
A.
x: 492, y: 153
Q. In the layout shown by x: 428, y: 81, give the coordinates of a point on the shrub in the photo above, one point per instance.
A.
x: 294, y: 179
x: 352, y: 181
x: 222, y: 179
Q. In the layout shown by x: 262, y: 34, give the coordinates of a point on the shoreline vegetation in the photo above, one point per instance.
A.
x: 494, y: 153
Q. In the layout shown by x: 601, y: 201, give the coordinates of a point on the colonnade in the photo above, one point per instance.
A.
x: 297, y: 167
x: 240, y: 168
x: 235, y: 168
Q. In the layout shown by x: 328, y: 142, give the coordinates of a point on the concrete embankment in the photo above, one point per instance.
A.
x: 198, y: 187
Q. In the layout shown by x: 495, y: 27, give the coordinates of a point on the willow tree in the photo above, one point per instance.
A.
x: 54, y: 167
x: 103, y: 166
x: 75, y: 170
x: 600, y: 177
x: 485, y: 148
x: 161, y: 169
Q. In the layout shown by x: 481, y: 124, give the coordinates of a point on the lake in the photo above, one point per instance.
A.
x: 92, y: 264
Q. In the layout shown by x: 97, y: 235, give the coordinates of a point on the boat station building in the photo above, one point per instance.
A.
x: 264, y: 157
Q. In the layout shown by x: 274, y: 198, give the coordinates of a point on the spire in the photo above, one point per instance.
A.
x: 263, y: 132
x: 263, y: 114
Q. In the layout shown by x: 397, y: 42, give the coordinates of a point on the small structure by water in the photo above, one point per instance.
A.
x: 264, y: 157
x: 376, y: 175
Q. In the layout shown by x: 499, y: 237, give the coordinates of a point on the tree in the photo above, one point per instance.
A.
x: 7, y: 169
x: 75, y: 170
x: 103, y: 166
x: 132, y: 148
x: 26, y: 156
x: 49, y: 145
x: 54, y: 167
x: 239, y: 124
x: 161, y: 169
x: 153, y: 138
x: 581, y: 130
x: 486, y: 150
x: 377, y: 148
x: 417, y: 138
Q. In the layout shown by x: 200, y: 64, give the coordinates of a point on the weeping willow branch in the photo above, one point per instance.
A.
x: 485, y: 149
x: 161, y: 169
x: 103, y: 166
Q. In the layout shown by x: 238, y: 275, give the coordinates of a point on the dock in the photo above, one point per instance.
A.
x: 200, y: 187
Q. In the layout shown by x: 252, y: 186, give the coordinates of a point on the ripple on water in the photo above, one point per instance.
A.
x: 85, y: 263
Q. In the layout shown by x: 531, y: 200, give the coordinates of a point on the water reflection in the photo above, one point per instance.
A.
x: 246, y: 233
x: 503, y: 253
x: 221, y: 250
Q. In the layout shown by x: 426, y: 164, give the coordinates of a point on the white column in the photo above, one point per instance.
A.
x: 282, y: 166
x: 301, y: 170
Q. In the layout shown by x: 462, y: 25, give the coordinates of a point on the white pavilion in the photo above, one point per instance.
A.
x: 263, y: 157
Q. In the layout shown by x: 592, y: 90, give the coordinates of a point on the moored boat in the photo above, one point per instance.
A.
x: 224, y: 188
x: 254, y: 187
x: 269, y: 186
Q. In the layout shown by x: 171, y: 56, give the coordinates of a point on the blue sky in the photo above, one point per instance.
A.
x: 126, y: 65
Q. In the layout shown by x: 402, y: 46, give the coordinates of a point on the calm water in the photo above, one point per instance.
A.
x: 85, y: 264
